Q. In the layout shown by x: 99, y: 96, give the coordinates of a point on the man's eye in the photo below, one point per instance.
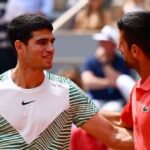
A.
x: 42, y: 42
x: 53, y: 41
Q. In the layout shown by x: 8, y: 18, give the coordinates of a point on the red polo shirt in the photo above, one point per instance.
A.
x: 137, y: 114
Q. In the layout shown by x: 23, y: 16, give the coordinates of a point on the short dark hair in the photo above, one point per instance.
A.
x: 136, y: 28
x: 21, y: 27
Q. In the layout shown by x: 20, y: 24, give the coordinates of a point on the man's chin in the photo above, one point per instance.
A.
x: 48, y: 67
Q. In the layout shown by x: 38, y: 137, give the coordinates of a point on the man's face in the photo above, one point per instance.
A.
x: 110, y: 48
x: 39, y: 52
x: 126, y: 52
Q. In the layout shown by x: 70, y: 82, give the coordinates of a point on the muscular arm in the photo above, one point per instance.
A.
x: 113, y: 136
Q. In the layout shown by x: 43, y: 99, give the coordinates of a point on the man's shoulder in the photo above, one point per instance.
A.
x: 57, y: 78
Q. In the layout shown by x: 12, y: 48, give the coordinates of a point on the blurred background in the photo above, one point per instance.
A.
x: 75, y: 22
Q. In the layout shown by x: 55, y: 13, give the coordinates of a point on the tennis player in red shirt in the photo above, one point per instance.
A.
x: 134, y: 44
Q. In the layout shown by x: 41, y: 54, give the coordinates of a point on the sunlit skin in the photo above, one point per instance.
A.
x: 33, y: 58
x: 134, y: 57
x: 38, y: 53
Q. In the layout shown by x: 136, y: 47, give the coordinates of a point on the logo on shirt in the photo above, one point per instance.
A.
x: 25, y: 103
x: 145, y: 109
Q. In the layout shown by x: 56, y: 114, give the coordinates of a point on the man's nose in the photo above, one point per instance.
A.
x: 50, y: 47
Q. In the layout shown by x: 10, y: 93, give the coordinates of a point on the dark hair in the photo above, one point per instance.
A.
x: 136, y: 28
x: 21, y: 27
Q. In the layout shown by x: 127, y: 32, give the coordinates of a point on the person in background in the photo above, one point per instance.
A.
x: 7, y: 57
x: 114, y: 13
x: 90, y: 18
x: 101, y: 71
x: 45, y: 105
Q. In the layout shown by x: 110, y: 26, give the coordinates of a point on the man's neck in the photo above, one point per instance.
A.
x: 27, y: 78
x: 144, y: 72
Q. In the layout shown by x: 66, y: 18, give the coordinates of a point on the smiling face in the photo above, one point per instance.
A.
x: 38, y: 52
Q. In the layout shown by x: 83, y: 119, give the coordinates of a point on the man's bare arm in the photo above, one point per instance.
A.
x: 115, y: 118
x: 110, y: 134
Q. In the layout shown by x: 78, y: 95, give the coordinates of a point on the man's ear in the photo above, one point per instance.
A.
x: 19, y: 46
x: 135, y: 50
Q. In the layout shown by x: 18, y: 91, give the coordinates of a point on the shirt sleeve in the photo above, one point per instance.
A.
x: 126, y: 115
x: 82, y: 106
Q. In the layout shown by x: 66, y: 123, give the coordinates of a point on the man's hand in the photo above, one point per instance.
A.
x: 110, y: 134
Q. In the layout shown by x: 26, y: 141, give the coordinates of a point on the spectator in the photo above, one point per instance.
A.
x: 91, y: 18
x: 114, y: 13
x: 101, y: 71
